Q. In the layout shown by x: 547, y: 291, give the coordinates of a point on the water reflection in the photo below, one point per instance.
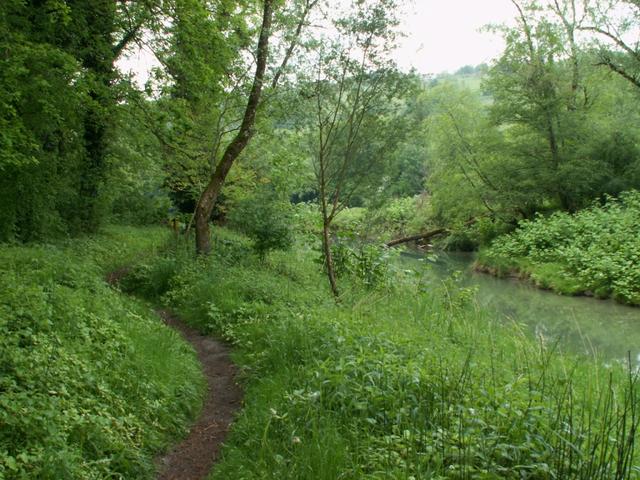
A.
x: 578, y: 324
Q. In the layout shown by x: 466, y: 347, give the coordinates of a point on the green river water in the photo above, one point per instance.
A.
x: 579, y: 325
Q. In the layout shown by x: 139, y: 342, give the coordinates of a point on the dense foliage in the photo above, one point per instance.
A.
x: 92, y: 384
x: 59, y: 96
x: 595, y: 250
x: 543, y: 128
x: 411, y: 381
x: 289, y: 122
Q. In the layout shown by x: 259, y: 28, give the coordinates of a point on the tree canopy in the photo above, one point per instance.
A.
x: 301, y: 96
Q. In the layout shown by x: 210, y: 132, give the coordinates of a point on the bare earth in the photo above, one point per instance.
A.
x: 193, y: 458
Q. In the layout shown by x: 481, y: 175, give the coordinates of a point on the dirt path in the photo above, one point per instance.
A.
x: 193, y: 458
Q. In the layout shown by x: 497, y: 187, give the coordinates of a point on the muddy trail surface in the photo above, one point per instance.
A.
x: 194, y: 457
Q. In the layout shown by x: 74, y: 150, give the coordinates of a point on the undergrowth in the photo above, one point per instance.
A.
x: 407, y: 381
x: 92, y: 384
x: 596, y: 250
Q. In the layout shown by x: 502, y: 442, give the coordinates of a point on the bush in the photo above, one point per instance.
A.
x: 370, y: 264
x: 400, y: 217
x: 596, y: 250
x: 141, y: 208
x: 152, y: 277
x: 266, y: 220
x: 351, y: 223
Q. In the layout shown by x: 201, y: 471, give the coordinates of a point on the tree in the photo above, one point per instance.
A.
x: 234, y: 149
x: 467, y: 157
x: 556, y: 133
x: 537, y: 87
x: 245, y: 130
x: 96, y: 34
x: 203, y: 53
x: 58, y: 87
x: 351, y: 85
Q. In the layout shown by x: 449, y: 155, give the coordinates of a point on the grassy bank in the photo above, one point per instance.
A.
x: 410, y: 380
x: 92, y: 384
x: 595, y: 251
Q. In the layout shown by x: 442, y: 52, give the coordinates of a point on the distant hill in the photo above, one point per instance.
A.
x: 469, y: 77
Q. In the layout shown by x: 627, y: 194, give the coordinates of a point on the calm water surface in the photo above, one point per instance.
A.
x: 579, y: 324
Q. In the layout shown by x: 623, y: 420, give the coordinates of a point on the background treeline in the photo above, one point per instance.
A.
x: 550, y: 125
x: 551, y: 128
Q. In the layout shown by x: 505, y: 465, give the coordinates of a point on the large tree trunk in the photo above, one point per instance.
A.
x: 210, y: 194
x: 96, y: 124
x: 328, y: 258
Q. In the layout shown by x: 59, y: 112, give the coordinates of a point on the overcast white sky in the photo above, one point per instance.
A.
x: 442, y: 35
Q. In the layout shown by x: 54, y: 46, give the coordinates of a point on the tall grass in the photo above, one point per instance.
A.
x: 411, y: 381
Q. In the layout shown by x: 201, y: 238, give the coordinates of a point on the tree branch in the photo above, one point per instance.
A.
x: 617, y: 40
x: 620, y: 71
x: 294, y: 42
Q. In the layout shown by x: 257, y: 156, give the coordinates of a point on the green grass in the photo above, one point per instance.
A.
x: 595, y: 251
x: 92, y: 384
x: 411, y: 381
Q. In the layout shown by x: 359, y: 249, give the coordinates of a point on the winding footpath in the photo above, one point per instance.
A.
x: 194, y: 457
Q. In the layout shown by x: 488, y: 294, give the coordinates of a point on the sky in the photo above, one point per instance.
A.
x: 440, y: 36
x: 443, y: 35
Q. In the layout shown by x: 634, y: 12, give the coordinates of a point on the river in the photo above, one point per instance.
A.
x: 581, y: 325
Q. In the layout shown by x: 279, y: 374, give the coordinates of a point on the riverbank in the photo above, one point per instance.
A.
x: 575, y: 324
x: 594, y: 252
x: 92, y: 383
x: 407, y: 379
x: 547, y: 277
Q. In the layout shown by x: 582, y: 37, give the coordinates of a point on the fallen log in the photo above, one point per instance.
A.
x: 420, y: 236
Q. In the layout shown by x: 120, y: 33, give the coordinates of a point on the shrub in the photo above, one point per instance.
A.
x: 370, y: 264
x: 595, y: 250
x: 266, y: 220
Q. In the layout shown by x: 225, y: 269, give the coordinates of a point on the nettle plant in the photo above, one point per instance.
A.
x: 370, y: 264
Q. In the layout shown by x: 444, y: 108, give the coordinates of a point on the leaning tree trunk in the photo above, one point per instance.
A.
x: 328, y: 258
x: 209, y: 196
x: 419, y: 236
